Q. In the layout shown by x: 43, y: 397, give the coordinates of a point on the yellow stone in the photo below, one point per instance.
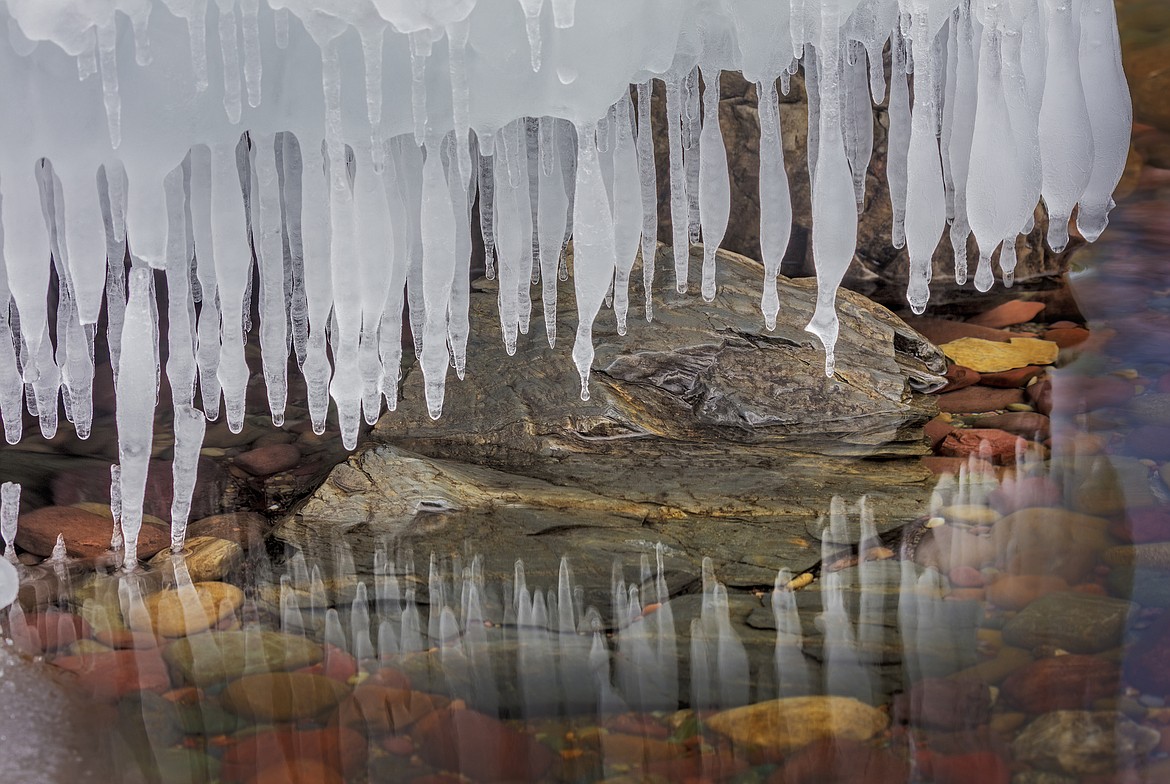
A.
x: 990, y: 356
x: 207, y: 558
x: 193, y: 608
x: 970, y: 513
x: 792, y: 722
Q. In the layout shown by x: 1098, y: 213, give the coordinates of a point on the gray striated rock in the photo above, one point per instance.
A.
x: 1083, y: 742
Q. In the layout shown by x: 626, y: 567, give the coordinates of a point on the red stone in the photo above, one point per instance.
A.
x: 336, y: 664
x: 948, y: 465
x: 262, y: 756
x: 939, y: 330
x: 936, y: 430
x: 977, y: 767
x: 268, y: 460
x: 390, y: 678
x: 109, y: 676
x: 1008, y: 314
x: 1015, y: 493
x: 1023, y: 423
x: 1067, y: 337
x: 92, y: 483
x: 401, y: 745
x: 86, y: 535
x: 481, y: 747
x: 1055, y: 683
x: 54, y: 630
x: 959, y: 377
x: 965, y: 577
x: 1011, y: 379
x: 944, y: 704
x: 841, y: 761
x: 978, y: 399
x: 376, y: 710
x: 1078, y: 394
x: 1040, y: 396
x: 1015, y: 592
x: 995, y: 445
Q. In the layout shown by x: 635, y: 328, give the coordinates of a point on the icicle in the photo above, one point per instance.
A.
x: 593, y: 248
x: 266, y: 241
x: 857, y: 119
x: 775, y: 199
x: 233, y: 271
x: 9, y: 517
x: 136, y: 393
x: 460, y: 98
x: 438, y: 235
x: 958, y: 148
x: 509, y: 242
x: 420, y: 50
x: 532, y: 27
x: 627, y: 196
x: 116, y: 538
x: 487, y: 190
x: 552, y: 220
x: 563, y: 13
x: 898, y: 145
x: 190, y: 426
x: 834, y: 235
x: 390, y: 328
x: 249, y: 10
x: 107, y: 36
x: 714, y: 184
x: 678, y: 182
x: 280, y: 23
x: 691, y: 157
x: 648, y: 178
x: 925, y: 197
x: 1110, y: 112
x: 231, y: 59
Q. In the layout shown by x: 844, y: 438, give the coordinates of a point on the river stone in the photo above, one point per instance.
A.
x: 207, y: 558
x: 211, y: 658
x: 1084, y: 742
x: 1147, y: 587
x: 282, y: 696
x: 1076, y: 622
x: 182, y: 611
x: 791, y: 722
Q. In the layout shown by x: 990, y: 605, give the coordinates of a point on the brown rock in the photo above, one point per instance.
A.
x: 1078, y: 394
x: 1062, y: 683
x: 92, y: 483
x: 111, y: 675
x: 936, y: 430
x: 965, y: 577
x: 1015, y: 493
x: 1143, y: 525
x: 54, y: 630
x: 1011, y: 379
x: 1069, y: 562
x: 978, y: 399
x: 1008, y: 314
x: 268, y: 460
x: 939, y: 331
x: 1015, y: 592
x: 996, y: 445
x: 282, y: 696
x: 1067, y: 337
x: 842, y: 761
x: 247, y: 529
x: 947, y: 465
x: 481, y: 747
x: 959, y: 377
x: 377, y: 710
x: 945, y: 704
x: 86, y: 535
x: 1040, y: 396
x: 1145, y: 660
x: 1023, y: 423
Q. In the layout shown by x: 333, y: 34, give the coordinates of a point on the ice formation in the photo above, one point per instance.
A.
x: 318, y: 162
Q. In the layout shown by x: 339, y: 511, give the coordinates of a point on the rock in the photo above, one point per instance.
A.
x: 1015, y: 592
x: 268, y: 460
x: 1062, y: 683
x: 1070, y: 562
x: 791, y: 722
x: 103, y: 510
x: 91, y: 482
x: 1049, y: 528
x: 1151, y: 441
x: 842, y: 761
x: 1155, y: 555
x: 480, y: 747
x: 54, y: 630
x: 1011, y: 379
x: 247, y: 529
x: 1008, y: 314
x: 330, y: 753
x: 996, y: 445
x: 1078, y: 394
x: 941, y: 331
x: 965, y: 577
x: 182, y: 611
x: 377, y: 710
x: 1076, y: 622
x: 1021, y: 423
x: 208, y: 659
x: 936, y: 430
x: 86, y: 535
x: 979, y: 399
x: 1016, y: 493
x: 1067, y: 337
x: 1146, y: 587
x: 975, y: 767
x: 1040, y: 396
x: 207, y: 558
x: 972, y: 514
x: 1111, y: 485
x: 112, y: 675
x: 959, y: 377
x: 1083, y: 742
x: 1145, y: 660
x: 1152, y: 408
x: 1143, y: 525
x: 986, y: 356
x: 282, y: 696
x: 945, y: 704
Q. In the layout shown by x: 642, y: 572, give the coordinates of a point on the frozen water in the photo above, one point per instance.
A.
x: 289, y: 134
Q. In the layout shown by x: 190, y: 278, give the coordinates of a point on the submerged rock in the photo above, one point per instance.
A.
x: 215, y: 657
x: 1083, y: 742
x: 791, y: 722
